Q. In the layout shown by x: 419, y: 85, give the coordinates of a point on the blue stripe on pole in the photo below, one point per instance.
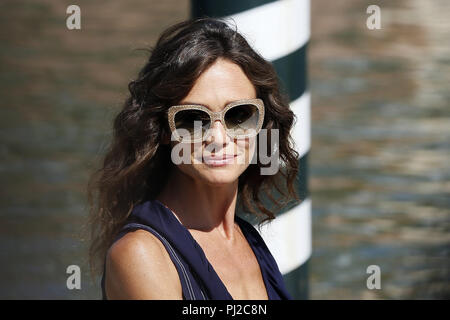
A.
x: 297, y: 281
x: 300, y: 185
x: 292, y: 72
x: 220, y: 8
x: 302, y: 177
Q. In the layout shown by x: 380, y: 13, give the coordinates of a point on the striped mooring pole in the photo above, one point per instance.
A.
x: 280, y: 30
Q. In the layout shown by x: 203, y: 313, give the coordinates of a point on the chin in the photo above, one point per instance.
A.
x: 219, y: 176
x: 214, y: 175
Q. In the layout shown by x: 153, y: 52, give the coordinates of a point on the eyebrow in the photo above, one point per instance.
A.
x: 205, y: 105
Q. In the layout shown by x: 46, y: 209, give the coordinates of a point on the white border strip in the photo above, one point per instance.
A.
x: 301, y: 131
x: 288, y: 237
x: 275, y: 29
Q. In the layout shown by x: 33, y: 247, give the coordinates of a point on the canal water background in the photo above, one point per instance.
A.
x: 379, y: 173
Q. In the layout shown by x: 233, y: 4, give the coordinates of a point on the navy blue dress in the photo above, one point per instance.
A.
x: 198, y: 279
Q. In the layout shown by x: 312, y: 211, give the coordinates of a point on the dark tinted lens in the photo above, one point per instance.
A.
x: 190, y: 120
x: 242, y: 118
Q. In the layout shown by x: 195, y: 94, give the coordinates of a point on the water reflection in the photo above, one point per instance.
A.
x: 379, y: 161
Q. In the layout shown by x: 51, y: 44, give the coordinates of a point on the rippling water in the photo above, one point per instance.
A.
x: 380, y: 152
x: 379, y: 172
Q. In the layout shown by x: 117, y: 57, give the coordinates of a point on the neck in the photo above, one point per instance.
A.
x: 200, y: 206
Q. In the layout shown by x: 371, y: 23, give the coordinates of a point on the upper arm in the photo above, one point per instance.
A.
x: 139, y: 267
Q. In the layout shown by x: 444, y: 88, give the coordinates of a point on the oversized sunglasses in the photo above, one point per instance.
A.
x: 241, y: 119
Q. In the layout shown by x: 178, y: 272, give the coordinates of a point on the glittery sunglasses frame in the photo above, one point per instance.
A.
x: 173, y: 110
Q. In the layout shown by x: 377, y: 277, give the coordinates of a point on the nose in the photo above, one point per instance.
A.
x: 218, y: 134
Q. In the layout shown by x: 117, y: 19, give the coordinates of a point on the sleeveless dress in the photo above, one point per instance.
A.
x: 199, y: 281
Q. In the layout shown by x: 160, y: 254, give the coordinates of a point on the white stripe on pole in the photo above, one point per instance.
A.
x: 288, y: 237
x: 301, y: 132
x: 275, y: 29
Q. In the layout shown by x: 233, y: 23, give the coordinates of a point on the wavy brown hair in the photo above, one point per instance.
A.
x: 137, y: 164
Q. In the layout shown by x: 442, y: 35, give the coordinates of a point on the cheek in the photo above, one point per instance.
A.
x: 246, y: 148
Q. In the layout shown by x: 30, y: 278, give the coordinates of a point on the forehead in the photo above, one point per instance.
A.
x: 222, y: 83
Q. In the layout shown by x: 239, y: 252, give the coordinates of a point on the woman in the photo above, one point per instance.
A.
x: 181, y: 160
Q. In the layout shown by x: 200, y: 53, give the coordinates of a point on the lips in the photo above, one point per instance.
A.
x: 221, y: 157
x: 218, y: 161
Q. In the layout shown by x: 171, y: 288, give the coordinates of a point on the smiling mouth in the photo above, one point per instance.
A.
x: 219, y: 161
x: 220, y: 157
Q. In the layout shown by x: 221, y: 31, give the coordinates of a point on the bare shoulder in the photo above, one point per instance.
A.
x: 138, y: 266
